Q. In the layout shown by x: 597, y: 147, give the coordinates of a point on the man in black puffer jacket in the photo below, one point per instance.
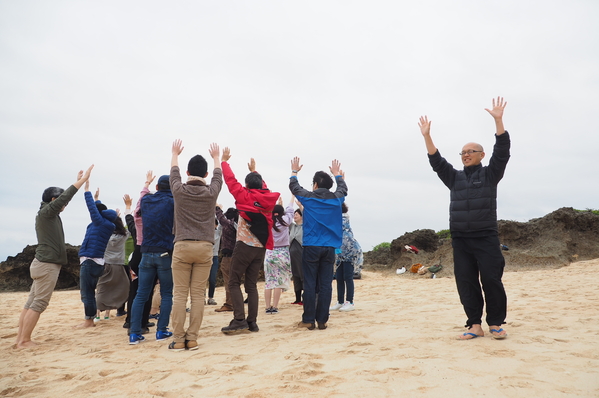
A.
x: 473, y: 225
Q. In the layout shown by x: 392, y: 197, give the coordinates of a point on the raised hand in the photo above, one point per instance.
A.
x: 226, y: 154
x: 97, y: 194
x: 214, y: 150
x: 252, y: 165
x: 498, y: 107
x: 425, y: 125
x: 149, y: 178
x: 335, y: 167
x: 295, y: 164
x: 177, y: 147
x: 128, y: 201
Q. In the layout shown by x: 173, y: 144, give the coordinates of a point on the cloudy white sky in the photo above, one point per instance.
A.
x: 114, y: 83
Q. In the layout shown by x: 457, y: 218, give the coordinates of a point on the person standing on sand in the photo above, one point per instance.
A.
x: 473, y: 225
x: 91, y: 253
x: 323, y: 234
x: 50, y: 256
x: 195, y: 203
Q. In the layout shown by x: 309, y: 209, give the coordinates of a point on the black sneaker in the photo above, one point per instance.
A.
x: 126, y: 325
x: 236, y: 327
x: 269, y: 310
x: 274, y: 310
x: 253, y: 326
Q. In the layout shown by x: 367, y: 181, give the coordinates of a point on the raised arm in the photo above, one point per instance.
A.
x: 425, y: 129
x: 215, y: 154
x: 497, y: 113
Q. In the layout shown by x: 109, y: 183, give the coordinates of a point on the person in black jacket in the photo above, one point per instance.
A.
x: 473, y: 225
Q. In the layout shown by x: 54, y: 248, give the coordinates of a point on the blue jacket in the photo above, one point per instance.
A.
x: 99, y: 231
x: 157, y: 213
x: 322, y: 213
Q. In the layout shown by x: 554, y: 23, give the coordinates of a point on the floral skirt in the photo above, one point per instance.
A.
x: 277, y: 268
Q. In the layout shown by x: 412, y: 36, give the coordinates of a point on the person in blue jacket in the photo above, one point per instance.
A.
x: 91, y: 253
x: 323, y: 234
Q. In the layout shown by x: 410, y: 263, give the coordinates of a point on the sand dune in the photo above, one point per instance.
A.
x: 400, y: 340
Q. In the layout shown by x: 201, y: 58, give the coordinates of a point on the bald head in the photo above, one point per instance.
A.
x: 472, y: 154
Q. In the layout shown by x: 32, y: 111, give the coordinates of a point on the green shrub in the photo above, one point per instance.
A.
x: 384, y: 245
x: 444, y: 234
x: 596, y: 212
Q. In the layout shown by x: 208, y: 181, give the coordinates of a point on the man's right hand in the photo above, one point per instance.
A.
x: 425, y: 125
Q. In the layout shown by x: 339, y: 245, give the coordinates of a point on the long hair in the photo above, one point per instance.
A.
x: 119, y: 227
x: 277, y: 217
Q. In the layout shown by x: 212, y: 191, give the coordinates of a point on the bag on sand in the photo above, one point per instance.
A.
x: 435, y: 268
x: 414, y: 268
x: 422, y: 270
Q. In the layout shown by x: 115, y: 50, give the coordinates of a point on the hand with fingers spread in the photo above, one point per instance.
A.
x: 149, y: 178
x: 425, y: 125
x: 226, y: 154
x: 83, y: 177
x: 128, y: 201
x: 296, y: 167
x: 498, y: 107
x: 335, y: 167
x: 177, y: 147
x: 252, y: 165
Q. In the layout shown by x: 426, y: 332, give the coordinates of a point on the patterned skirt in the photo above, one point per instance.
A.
x: 277, y: 268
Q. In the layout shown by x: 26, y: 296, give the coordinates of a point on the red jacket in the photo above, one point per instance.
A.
x: 254, y: 205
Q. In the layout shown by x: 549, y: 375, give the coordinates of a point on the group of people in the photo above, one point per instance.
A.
x: 175, y: 231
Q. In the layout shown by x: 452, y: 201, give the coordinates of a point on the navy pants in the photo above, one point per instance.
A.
x: 317, y: 266
x: 479, y: 261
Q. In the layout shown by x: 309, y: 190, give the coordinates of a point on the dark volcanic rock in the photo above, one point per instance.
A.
x: 556, y: 239
x: 14, y: 272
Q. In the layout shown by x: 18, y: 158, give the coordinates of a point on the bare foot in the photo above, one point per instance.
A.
x: 88, y: 323
x: 497, y: 332
x: 26, y: 344
x: 473, y: 332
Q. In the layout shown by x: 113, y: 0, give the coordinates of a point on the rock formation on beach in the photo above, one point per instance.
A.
x: 557, y: 239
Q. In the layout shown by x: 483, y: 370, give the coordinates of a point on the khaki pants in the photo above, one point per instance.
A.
x: 45, y: 276
x: 225, y: 269
x: 191, y: 265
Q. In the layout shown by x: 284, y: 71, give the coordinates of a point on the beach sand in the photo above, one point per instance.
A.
x: 400, y: 341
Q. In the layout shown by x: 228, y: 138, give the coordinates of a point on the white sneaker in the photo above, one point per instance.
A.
x: 336, y: 307
x: 347, y: 307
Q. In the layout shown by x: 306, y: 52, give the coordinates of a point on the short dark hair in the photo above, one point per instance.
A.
x: 323, y: 180
x: 253, y: 181
x: 197, y: 166
x: 344, y: 208
x: 51, y: 192
x: 299, y: 211
x: 232, y: 214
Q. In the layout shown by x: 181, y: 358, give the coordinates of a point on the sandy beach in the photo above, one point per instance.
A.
x: 400, y: 341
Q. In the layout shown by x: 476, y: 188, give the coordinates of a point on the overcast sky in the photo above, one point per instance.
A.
x: 114, y: 83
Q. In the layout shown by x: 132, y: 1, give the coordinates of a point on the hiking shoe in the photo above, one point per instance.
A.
x: 211, y: 301
x: 253, y: 326
x: 336, y: 307
x: 322, y: 326
x: 177, y: 346
x: 224, y: 308
x: 347, y: 306
x: 191, y: 345
x: 236, y: 327
x: 135, y: 338
x: 303, y: 324
x: 163, y: 335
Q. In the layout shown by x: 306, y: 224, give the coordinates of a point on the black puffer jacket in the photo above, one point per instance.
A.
x: 473, y: 207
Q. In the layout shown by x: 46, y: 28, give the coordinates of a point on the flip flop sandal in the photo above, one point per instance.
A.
x: 498, y: 337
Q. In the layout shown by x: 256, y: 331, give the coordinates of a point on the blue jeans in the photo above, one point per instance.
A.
x: 89, y: 274
x: 345, y: 277
x: 317, y: 266
x: 153, y: 264
x: 212, y: 278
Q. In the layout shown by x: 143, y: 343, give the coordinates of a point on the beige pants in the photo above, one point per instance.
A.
x: 45, y: 276
x: 225, y: 269
x: 191, y: 265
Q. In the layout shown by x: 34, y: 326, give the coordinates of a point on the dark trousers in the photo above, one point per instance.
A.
x: 297, y: 276
x: 212, y: 277
x: 480, y: 261
x: 317, y: 266
x: 345, y: 277
x: 134, y: 265
x: 246, y: 261
x: 89, y: 274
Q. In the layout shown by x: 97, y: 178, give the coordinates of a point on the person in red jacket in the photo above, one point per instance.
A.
x: 255, y: 203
